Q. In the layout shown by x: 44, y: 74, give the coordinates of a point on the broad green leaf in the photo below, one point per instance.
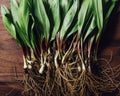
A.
x: 23, y: 14
x: 21, y: 18
x: 74, y: 29
x: 40, y: 13
x: 68, y: 19
x: 84, y: 13
x: 65, y: 5
x: 91, y: 28
x: 55, y: 8
x: 98, y: 12
x: 7, y: 20
x: 14, y: 10
x: 22, y: 35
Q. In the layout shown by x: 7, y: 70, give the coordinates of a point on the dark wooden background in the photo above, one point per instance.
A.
x: 11, y: 63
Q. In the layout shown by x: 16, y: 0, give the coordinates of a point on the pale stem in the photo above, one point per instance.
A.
x: 41, y: 69
x: 69, y: 50
x: 83, y: 67
x: 24, y: 61
x: 42, y: 65
x: 32, y: 53
x: 29, y: 64
x: 55, y: 59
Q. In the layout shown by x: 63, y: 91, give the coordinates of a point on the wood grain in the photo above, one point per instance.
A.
x: 10, y: 54
x: 10, y: 89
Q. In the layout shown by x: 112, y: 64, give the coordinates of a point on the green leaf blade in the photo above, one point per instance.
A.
x: 68, y: 19
x: 98, y: 12
x: 84, y: 13
x: 55, y: 8
x: 7, y: 20
x: 40, y: 13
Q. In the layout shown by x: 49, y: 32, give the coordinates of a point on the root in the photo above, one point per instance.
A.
x: 69, y: 72
x: 68, y: 81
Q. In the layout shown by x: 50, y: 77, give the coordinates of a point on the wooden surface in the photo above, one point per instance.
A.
x: 10, y: 89
x: 11, y: 62
x: 11, y: 54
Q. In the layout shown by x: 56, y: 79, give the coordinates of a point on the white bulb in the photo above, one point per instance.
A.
x: 79, y: 68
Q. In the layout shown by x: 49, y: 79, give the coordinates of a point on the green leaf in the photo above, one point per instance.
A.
x: 22, y: 35
x: 20, y: 13
x: 23, y: 14
x: 55, y: 8
x: 74, y: 29
x: 98, y: 12
x: 90, y: 28
x: 14, y: 10
x: 7, y: 20
x: 65, y: 5
x: 40, y: 13
x: 84, y: 13
x: 68, y: 19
